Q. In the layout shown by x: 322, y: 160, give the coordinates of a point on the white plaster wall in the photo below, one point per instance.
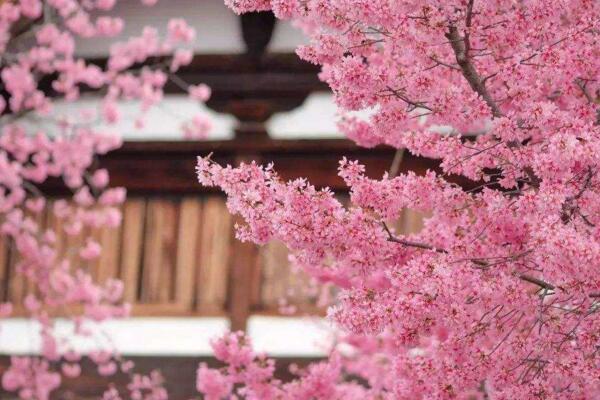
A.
x: 316, y: 118
x: 276, y: 336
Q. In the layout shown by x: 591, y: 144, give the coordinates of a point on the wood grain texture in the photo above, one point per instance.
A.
x: 134, y: 212
x: 166, y: 292
x: 108, y: 263
x: 275, y: 274
x: 241, y: 263
x: 215, y: 240
x: 187, y: 237
x: 159, y: 242
x: 17, y: 285
x: 4, y: 266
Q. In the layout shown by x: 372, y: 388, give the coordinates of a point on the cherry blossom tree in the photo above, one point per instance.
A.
x: 498, y: 296
x: 40, y: 66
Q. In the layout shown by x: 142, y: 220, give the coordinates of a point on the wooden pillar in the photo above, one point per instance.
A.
x: 243, y: 263
x: 243, y: 271
x: 252, y: 112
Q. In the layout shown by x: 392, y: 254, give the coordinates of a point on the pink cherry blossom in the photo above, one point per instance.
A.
x: 107, y: 26
x: 91, y: 250
x: 212, y: 383
x: 197, y: 128
x: 496, y: 296
x: 100, y: 178
x: 30, y: 377
x: 199, y: 92
x: 180, y: 31
x: 181, y: 58
x: 71, y: 370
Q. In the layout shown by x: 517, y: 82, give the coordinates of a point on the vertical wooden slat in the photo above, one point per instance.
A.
x: 170, y: 210
x: 298, y: 284
x: 187, y: 239
x: 243, y: 259
x: 159, y: 250
x: 134, y: 212
x: 152, y: 250
x: 280, y: 280
x: 56, y: 225
x: 275, y: 273
x: 255, y: 276
x: 4, y: 268
x: 255, y: 281
x: 72, y: 247
x: 40, y: 220
x: 108, y: 262
x: 16, y: 284
x: 213, y: 266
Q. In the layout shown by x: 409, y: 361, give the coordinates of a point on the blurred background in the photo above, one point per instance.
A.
x: 186, y: 276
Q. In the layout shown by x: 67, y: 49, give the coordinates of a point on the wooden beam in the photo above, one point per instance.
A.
x: 168, y: 168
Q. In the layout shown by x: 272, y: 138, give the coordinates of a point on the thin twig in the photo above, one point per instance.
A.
x: 396, y: 163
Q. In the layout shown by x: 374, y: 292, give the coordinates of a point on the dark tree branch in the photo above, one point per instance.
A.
x: 477, y: 261
x: 570, y: 208
x: 582, y: 85
x: 461, y: 47
x: 536, y: 281
x: 409, y: 243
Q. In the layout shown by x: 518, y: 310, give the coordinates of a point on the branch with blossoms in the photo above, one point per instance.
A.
x: 250, y: 375
x: 482, y: 263
x: 39, y: 67
x: 464, y: 321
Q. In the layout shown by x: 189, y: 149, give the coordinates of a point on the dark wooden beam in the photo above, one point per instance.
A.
x: 237, y: 75
x: 168, y: 168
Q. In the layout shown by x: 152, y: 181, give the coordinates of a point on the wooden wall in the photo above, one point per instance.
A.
x: 174, y: 256
x: 175, y: 250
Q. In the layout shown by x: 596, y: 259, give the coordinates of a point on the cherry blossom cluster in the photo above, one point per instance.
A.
x: 252, y: 374
x: 498, y: 295
x: 39, y: 67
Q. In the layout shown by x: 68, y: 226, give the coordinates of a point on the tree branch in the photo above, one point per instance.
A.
x: 582, y: 85
x: 409, y: 243
x: 396, y: 163
x: 461, y: 46
x: 536, y: 281
x: 569, y: 207
x: 478, y: 261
